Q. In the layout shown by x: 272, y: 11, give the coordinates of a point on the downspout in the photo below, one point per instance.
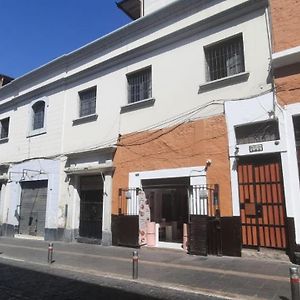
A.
x: 268, y: 20
x: 142, y: 7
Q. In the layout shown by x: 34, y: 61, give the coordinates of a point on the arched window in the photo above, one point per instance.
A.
x: 38, y: 109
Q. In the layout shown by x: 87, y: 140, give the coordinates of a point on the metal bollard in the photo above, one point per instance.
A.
x: 50, y: 253
x: 295, y: 283
x: 135, y: 264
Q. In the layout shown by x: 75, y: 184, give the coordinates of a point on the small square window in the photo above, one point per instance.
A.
x: 4, y: 126
x: 87, y: 102
x: 139, y: 85
x: 226, y: 58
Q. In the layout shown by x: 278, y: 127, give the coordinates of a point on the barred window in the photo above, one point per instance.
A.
x: 38, y: 115
x: 4, y: 125
x: 139, y: 85
x: 225, y: 58
x: 87, y: 102
x: 257, y: 132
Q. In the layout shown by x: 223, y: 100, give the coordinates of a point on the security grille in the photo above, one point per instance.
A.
x: 204, y: 200
x: 139, y: 85
x: 87, y: 102
x: 33, y: 208
x: 257, y: 133
x: 225, y: 58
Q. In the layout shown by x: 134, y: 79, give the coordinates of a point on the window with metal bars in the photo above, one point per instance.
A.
x: 139, y: 85
x: 38, y: 115
x: 4, y: 125
x: 87, y: 102
x: 257, y: 133
x: 225, y: 58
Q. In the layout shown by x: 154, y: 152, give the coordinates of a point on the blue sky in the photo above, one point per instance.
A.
x: 34, y: 32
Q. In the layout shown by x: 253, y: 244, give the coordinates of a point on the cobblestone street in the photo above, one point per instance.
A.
x: 18, y: 283
x: 23, y: 283
x: 84, y: 271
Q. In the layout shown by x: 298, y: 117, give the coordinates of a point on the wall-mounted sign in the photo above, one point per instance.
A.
x: 256, y: 148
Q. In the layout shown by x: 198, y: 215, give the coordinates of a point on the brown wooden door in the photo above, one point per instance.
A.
x: 262, y: 204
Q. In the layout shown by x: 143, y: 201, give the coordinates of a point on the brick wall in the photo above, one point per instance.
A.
x: 187, y: 145
x: 285, y: 15
x: 287, y: 80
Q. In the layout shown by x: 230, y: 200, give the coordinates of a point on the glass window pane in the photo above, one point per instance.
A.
x: 225, y: 58
x: 4, y: 125
x: 87, y: 102
x: 139, y: 86
x: 38, y: 115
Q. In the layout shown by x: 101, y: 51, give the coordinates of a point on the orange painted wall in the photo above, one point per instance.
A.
x: 185, y: 145
x: 285, y: 24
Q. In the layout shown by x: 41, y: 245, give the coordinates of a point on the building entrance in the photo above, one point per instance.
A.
x: 91, y: 207
x: 262, y: 204
x: 168, y: 202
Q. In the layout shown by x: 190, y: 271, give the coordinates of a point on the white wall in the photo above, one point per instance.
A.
x: 290, y: 168
x: 153, y: 5
x: 178, y: 70
x: 49, y: 171
x: 254, y: 110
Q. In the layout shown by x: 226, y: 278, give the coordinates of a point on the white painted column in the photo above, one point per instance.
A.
x: 2, y: 195
x: 106, y: 217
x: 75, y: 209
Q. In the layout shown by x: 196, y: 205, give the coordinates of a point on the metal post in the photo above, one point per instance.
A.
x: 135, y: 264
x: 295, y: 283
x: 50, y: 253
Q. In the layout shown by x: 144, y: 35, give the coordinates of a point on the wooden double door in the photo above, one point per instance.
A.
x: 262, y: 203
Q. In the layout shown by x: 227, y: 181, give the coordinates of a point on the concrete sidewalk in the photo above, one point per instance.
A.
x: 221, y: 277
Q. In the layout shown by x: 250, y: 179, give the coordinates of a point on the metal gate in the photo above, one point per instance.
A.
x: 262, y: 204
x: 33, y: 208
x: 91, y: 207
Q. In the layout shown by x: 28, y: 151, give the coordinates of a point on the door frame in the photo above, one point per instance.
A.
x: 261, y: 215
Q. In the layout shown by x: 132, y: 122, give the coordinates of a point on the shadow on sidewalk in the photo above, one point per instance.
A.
x: 21, y: 283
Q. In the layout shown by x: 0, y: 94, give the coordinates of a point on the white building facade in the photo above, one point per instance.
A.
x: 63, y: 158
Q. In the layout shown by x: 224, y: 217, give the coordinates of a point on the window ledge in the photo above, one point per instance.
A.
x: 36, y: 132
x: 4, y: 140
x: 237, y: 78
x: 137, y: 105
x: 85, y: 119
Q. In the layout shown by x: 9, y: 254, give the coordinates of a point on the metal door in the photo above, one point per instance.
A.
x: 262, y: 204
x: 33, y: 208
x: 91, y: 206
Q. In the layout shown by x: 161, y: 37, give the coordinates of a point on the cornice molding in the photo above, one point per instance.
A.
x: 286, y: 57
x: 119, y: 36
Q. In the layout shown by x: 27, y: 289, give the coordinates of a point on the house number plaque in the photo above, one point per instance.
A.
x: 256, y: 148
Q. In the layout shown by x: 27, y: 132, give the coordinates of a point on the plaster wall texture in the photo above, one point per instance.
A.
x: 12, y: 197
x: 130, y: 37
x: 177, y: 72
x: 22, y: 144
x: 186, y: 145
x: 152, y: 5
